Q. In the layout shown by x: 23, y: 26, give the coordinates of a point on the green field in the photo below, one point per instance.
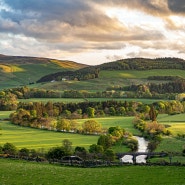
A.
x: 15, y: 172
x: 138, y: 74
x: 171, y: 144
x: 113, y: 78
x: 123, y: 122
x: 176, y: 122
x: 35, y: 138
x: 40, y: 139
x: 77, y: 100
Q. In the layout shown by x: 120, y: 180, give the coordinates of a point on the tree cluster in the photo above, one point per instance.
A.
x: 8, y: 101
x: 144, y: 64
x: 79, y: 75
x: 81, y: 109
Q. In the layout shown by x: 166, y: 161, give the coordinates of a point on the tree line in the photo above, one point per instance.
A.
x: 144, y: 64
x: 78, y: 75
x: 177, y: 86
x: 158, y: 91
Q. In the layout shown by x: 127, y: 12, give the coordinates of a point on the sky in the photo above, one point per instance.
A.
x: 92, y: 31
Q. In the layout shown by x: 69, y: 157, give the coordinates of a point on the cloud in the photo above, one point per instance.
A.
x: 78, y: 26
x: 177, y: 6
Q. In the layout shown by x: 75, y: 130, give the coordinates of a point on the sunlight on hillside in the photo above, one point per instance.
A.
x: 10, y: 69
x: 17, y: 69
x: 66, y: 64
x: 177, y: 129
x: 127, y: 75
x: 6, y: 69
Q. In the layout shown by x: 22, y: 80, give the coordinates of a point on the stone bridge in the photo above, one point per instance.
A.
x: 135, y: 154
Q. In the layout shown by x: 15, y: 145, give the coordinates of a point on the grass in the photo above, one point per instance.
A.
x: 35, y: 138
x: 5, y: 114
x: 45, y: 100
x: 133, y: 74
x: 77, y: 100
x: 171, y: 144
x: 123, y: 122
x: 40, y: 139
x: 23, y: 73
x: 176, y: 123
x: 19, y: 172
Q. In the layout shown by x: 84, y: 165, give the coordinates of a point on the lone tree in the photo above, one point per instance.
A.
x: 67, y: 145
x: 91, y: 126
x: 9, y: 148
x: 152, y: 113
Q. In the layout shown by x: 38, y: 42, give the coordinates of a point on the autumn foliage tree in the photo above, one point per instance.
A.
x: 91, y: 127
x: 8, y: 101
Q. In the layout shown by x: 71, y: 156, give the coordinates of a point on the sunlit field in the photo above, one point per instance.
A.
x: 107, y: 122
x: 176, y: 123
x: 40, y: 139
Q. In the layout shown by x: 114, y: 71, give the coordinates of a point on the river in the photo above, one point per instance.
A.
x: 142, y: 147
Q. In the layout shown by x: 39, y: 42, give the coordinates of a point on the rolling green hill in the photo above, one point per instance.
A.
x: 118, y: 73
x: 16, y: 70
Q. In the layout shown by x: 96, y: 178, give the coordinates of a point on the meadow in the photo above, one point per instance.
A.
x: 43, y: 139
x: 112, y: 78
x: 40, y: 139
x: 176, y: 122
x: 77, y: 100
x: 17, y: 172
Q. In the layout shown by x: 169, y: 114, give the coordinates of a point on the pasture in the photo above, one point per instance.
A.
x: 176, y: 122
x: 107, y: 122
x: 40, y: 139
x: 24, y: 173
x: 43, y: 139
x: 137, y: 74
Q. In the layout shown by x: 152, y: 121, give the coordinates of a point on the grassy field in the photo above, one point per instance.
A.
x: 176, y: 122
x: 35, y: 138
x: 136, y: 74
x: 123, y: 122
x: 40, y: 139
x: 77, y: 100
x: 15, y: 172
x: 171, y: 144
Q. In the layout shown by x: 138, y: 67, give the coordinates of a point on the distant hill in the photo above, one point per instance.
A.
x: 92, y: 72
x: 144, y: 64
x: 20, y: 70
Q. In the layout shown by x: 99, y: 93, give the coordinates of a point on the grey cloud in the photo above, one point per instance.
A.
x: 47, y: 10
x: 58, y: 20
x: 177, y: 6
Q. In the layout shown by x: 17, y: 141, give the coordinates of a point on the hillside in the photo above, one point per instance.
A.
x: 138, y: 64
x: 67, y: 75
x: 118, y: 73
x: 17, y: 70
